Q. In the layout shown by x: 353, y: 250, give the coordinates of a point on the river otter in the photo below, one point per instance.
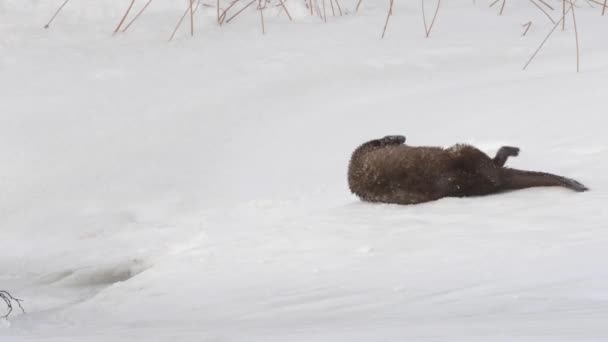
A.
x: 388, y: 171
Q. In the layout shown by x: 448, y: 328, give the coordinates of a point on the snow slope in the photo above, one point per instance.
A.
x: 195, y: 190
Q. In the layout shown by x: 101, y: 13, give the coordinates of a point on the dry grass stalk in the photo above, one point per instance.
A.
x: 136, y: 16
x: 324, y: 12
x: 604, y: 7
x: 314, y: 6
x: 543, y: 10
x: 428, y: 29
x: 546, y: 38
x: 319, y: 11
x: 261, y: 9
x: 575, y: 35
x: 240, y: 11
x: 285, y: 9
x: 217, y: 5
x: 563, y: 15
x: 502, y: 8
x: 527, y: 26
x: 595, y: 2
x: 388, y: 15
x: 192, y: 18
x: 333, y: 12
x: 223, y: 15
x: 55, y: 15
x: 339, y: 7
x: 358, y: 5
x: 179, y: 23
x: 546, y: 4
x: 124, y: 17
x: 494, y: 3
x: 8, y: 300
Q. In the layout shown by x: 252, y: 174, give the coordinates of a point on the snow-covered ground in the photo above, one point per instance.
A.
x: 195, y: 190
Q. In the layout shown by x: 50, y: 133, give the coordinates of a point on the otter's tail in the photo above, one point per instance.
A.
x: 514, y: 179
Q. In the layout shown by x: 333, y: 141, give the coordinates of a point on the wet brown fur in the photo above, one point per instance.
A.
x: 388, y: 171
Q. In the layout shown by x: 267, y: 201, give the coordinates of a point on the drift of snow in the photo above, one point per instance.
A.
x: 196, y: 190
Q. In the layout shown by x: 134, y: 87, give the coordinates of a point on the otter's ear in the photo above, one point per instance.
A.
x: 393, y: 140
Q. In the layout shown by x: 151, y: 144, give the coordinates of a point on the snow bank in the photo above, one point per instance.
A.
x: 196, y: 189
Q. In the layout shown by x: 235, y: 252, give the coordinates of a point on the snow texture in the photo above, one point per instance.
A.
x: 195, y: 190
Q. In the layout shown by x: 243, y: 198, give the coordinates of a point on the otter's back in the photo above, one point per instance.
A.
x: 384, y: 171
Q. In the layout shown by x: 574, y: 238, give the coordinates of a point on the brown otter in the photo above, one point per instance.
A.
x: 388, y: 171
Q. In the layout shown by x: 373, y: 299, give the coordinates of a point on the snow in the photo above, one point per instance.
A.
x: 195, y: 190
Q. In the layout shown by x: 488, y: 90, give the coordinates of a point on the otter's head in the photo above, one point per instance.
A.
x: 358, y: 170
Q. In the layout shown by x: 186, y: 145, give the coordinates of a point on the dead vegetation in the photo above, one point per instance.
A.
x: 9, y: 300
x: 226, y: 11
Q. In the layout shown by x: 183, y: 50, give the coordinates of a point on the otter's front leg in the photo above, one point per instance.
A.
x: 392, y: 140
x: 378, y: 143
x: 504, y: 153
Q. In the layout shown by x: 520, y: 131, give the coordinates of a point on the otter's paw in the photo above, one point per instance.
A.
x: 575, y: 185
x: 393, y: 140
x: 509, y: 151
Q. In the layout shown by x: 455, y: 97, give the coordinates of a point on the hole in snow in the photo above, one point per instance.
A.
x: 102, y: 275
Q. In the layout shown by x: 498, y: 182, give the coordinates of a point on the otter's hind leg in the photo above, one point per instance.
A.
x: 476, y: 173
x: 504, y: 153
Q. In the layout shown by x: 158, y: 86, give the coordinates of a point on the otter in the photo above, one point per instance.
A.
x: 386, y: 170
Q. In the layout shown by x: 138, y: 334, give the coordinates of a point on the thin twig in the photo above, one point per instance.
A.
x: 192, y: 18
x: 494, y: 3
x: 261, y: 9
x: 563, y: 15
x: 545, y: 40
x: 310, y: 4
x: 324, y: 12
x: 124, y: 17
x: 333, y: 11
x: 427, y: 31
x: 55, y: 15
x: 218, y: 11
x: 502, y: 8
x: 575, y: 36
x: 319, y: 12
x: 339, y: 7
x: 179, y: 23
x: 136, y: 16
x: 286, y: 11
x: 223, y: 16
x: 546, y: 4
x: 388, y: 15
x: 8, y: 300
x: 604, y: 7
x: 527, y: 26
x: 543, y: 10
x: 241, y: 10
x: 358, y: 4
